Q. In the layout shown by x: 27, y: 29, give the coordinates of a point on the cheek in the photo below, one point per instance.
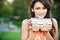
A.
x: 37, y: 11
x: 45, y: 11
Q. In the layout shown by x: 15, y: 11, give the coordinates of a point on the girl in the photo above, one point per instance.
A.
x: 39, y: 9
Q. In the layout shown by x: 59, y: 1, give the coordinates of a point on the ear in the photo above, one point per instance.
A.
x: 32, y: 9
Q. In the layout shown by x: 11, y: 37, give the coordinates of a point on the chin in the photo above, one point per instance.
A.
x: 41, y: 16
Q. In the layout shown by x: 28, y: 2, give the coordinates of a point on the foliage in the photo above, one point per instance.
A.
x: 19, y: 8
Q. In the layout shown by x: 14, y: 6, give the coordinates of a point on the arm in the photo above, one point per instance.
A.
x: 55, y: 34
x: 24, y: 30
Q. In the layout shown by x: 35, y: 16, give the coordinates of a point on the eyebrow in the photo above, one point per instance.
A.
x: 40, y: 7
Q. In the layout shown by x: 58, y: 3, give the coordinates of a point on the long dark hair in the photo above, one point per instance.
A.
x: 45, y: 3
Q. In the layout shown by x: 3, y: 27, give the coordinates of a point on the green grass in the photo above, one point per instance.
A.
x: 10, y: 36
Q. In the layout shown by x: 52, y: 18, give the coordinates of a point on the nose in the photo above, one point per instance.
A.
x: 41, y: 11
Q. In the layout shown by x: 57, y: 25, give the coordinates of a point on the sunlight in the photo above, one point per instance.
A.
x: 10, y: 1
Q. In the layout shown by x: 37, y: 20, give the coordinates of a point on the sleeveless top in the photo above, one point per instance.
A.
x: 40, y: 36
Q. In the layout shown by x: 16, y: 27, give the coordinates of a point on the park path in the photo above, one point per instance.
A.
x: 9, y: 27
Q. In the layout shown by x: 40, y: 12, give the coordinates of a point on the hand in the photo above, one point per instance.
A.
x: 46, y: 27
x: 35, y: 27
x: 42, y: 27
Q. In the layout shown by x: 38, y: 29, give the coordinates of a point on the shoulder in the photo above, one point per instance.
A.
x: 25, y: 24
x: 54, y: 20
x: 55, y: 23
x: 25, y: 21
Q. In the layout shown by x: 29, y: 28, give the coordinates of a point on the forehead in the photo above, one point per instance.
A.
x: 38, y: 4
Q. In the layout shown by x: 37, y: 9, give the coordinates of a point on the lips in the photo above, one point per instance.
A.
x: 40, y: 14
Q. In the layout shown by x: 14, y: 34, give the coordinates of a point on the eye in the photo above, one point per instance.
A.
x: 44, y: 8
x: 38, y: 8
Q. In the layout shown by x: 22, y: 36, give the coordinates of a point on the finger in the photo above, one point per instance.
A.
x: 30, y: 26
x: 49, y: 27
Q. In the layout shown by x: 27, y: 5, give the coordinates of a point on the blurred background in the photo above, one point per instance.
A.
x: 12, y: 12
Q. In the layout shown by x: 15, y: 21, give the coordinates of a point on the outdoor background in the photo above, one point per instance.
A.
x: 12, y: 12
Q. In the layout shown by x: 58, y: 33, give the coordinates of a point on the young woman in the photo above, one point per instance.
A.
x: 39, y: 9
